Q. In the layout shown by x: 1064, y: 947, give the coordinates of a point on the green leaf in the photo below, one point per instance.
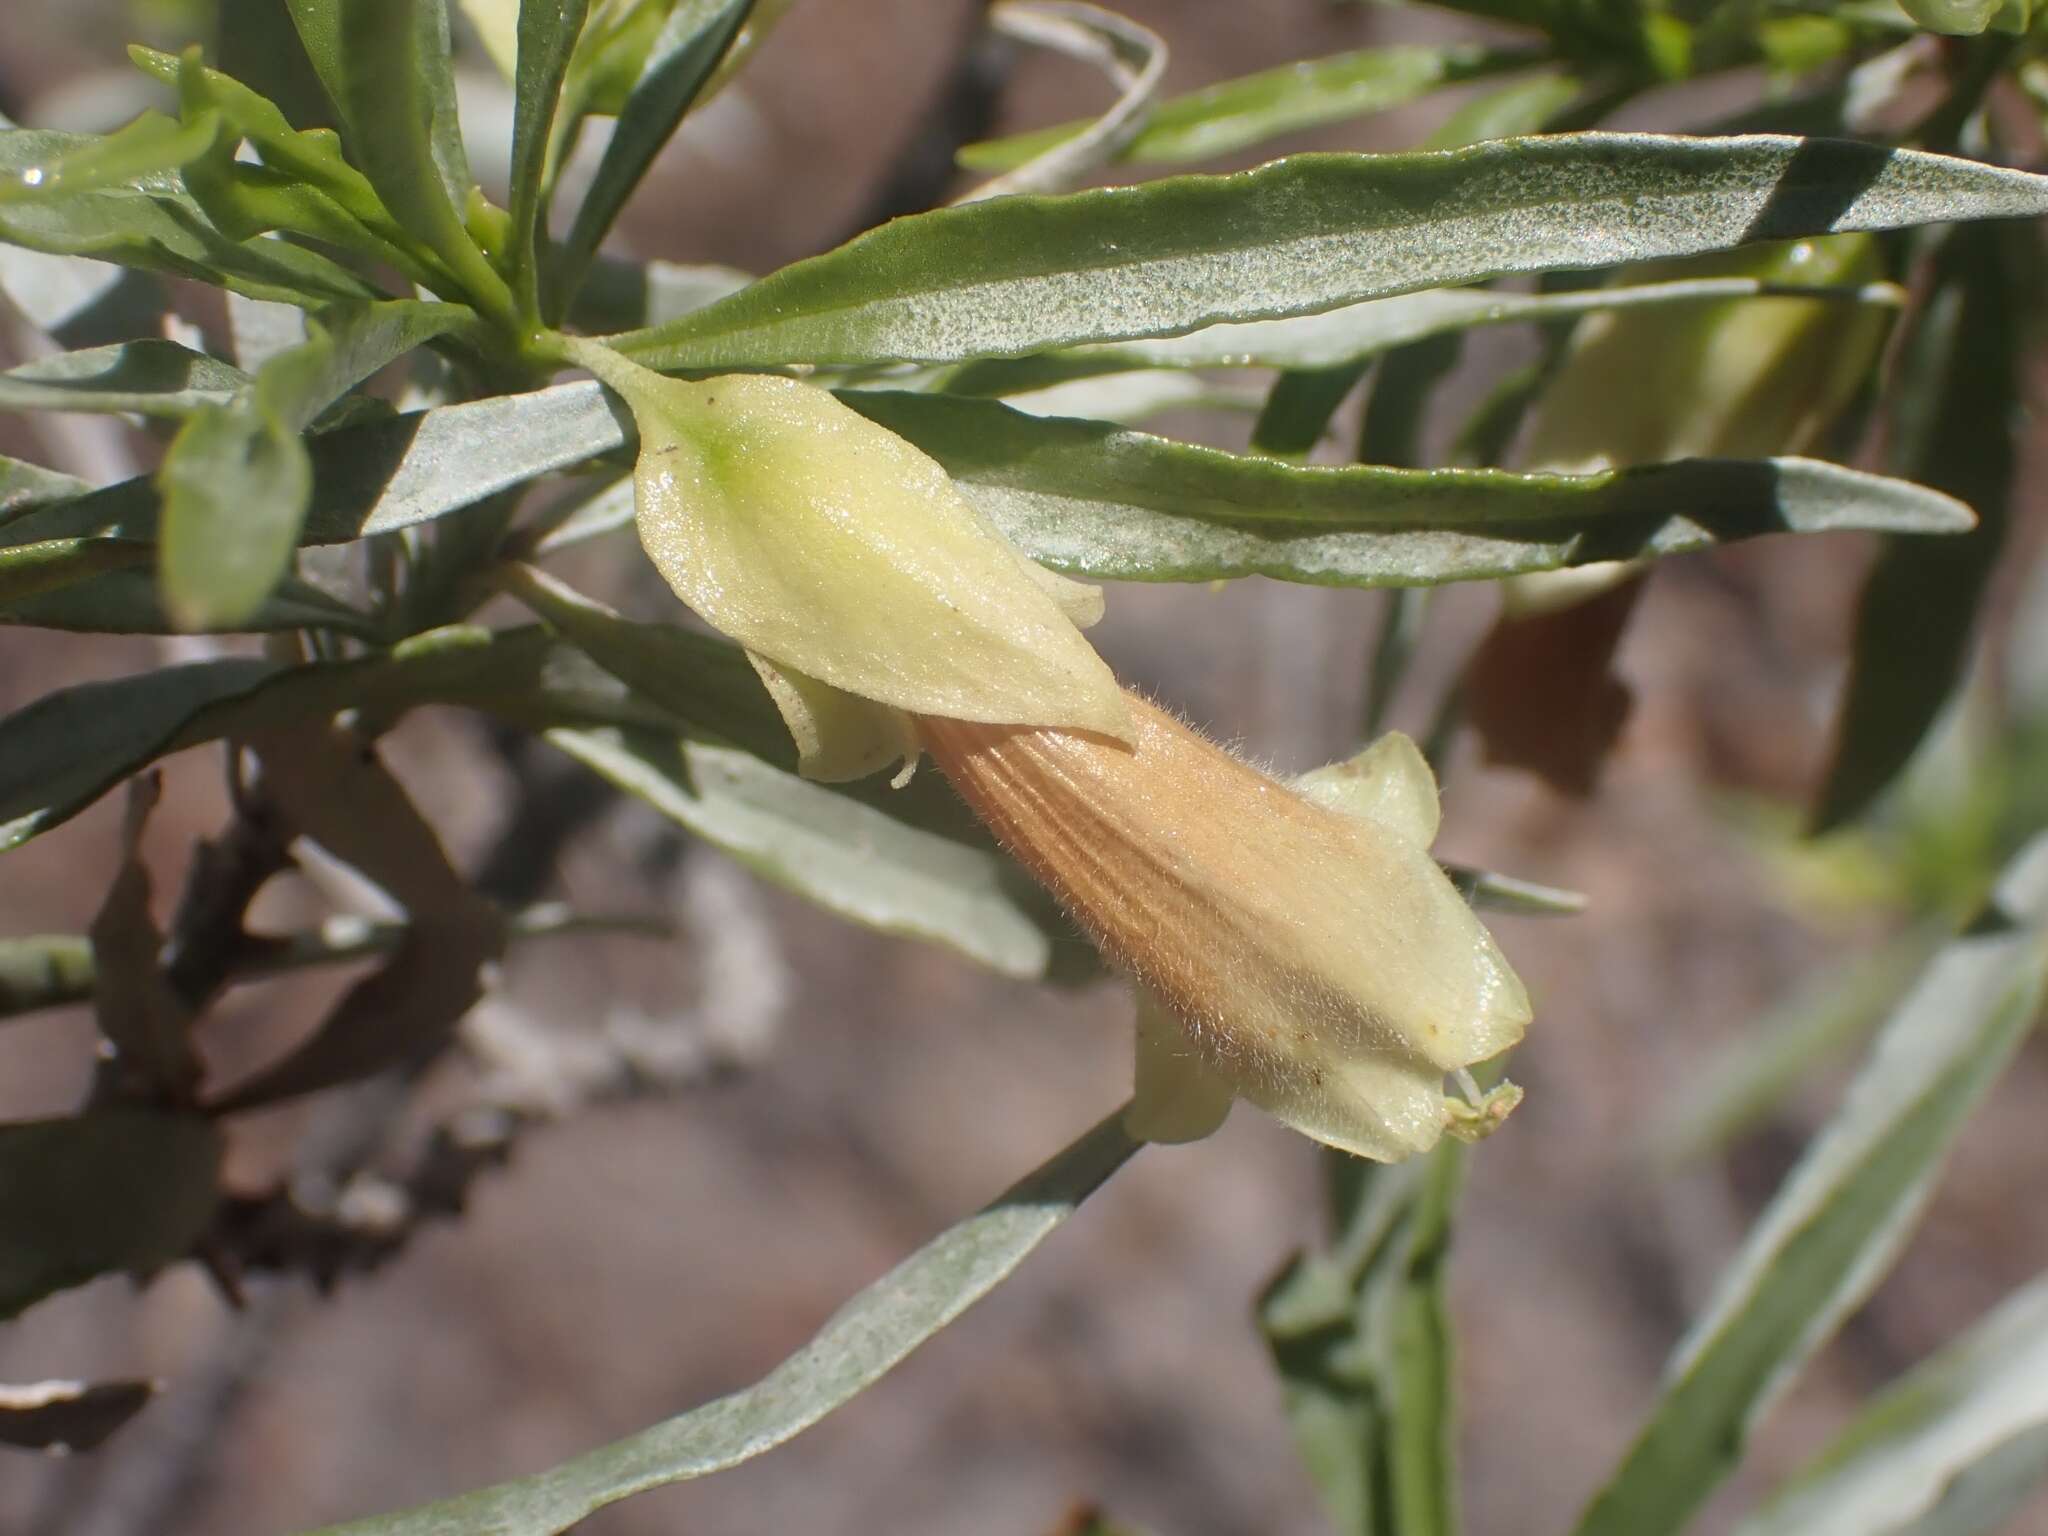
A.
x: 149, y: 146
x: 1019, y: 275
x: 1361, y: 1338
x: 1781, y: 1049
x: 148, y: 377
x: 854, y: 858
x: 157, y: 227
x: 861, y: 1343
x: 688, y: 49
x: 1359, y: 332
x: 237, y: 479
x: 108, y: 1190
x: 1298, y: 410
x: 548, y: 30
x: 1104, y: 503
x: 33, y: 570
x: 1844, y: 1211
x: 1096, y: 500
x: 302, y: 184
x: 1958, y: 430
x: 26, y: 487
x: 1134, y: 57
x: 1524, y: 106
x: 385, y: 65
x: 63, y: 751
x: 127, y: 602
x: 1235, y: 114
x: 1978, y: 1404
x: 235, y: 485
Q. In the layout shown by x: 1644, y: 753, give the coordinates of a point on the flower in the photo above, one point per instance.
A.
x: 1295, y: 946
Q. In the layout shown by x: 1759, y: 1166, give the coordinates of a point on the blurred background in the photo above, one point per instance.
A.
x: 809, y: 1101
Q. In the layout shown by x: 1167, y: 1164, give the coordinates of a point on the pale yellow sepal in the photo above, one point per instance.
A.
x: 830, y: 547
x: 1390, y: 781
x: 839, y: 736
x: 1176, y: 1095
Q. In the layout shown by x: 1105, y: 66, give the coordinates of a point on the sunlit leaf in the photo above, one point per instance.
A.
x: 1844, y: 1211
x: 1020, y: 275
x: 861, y: 1343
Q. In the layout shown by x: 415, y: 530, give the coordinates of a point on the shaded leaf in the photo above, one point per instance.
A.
x: 1978, y: 1404
x: 1844, y: 1211
x: 157, y: 227
x: 149, y: 146
x: 1235, y: 114
x: 127, y: 602
x: 29, y: 571
x: 108, y: 1190
x: 1019, y: 275
x: 618, y: 295
x: 24, y: 487
x: 859, y: 1345
x: 66, y: 1416
x: 63, y: 751
x: 148, y: 377
x: 147, y: 1026
x: 1960, y: 433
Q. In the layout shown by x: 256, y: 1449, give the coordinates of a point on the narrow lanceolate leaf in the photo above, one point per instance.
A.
x: 1134, y: 57
x: 149, y: 146
x: 30, y: 571
x: 385, y: 64
x: 1969, y: 1423
x: 1843, y: 1213
x: 547, y: 33
x: 861, y: 1343
x: 1958, y: 428
x: 65, y: 750
x: 1098, y: 501
x: 1361, y: 331
x: 1235, y: 114
x: 237, y: 480
x: 128, y: 602
x: 106, y: 1191
x: 24, y: 487
x: 853, y: 856
x: 1019, y: 275
x: 695, y: 37
x: 156, y: 226
x: 148, y: 377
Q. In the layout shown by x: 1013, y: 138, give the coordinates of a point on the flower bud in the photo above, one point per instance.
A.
x: 1312, y: 955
